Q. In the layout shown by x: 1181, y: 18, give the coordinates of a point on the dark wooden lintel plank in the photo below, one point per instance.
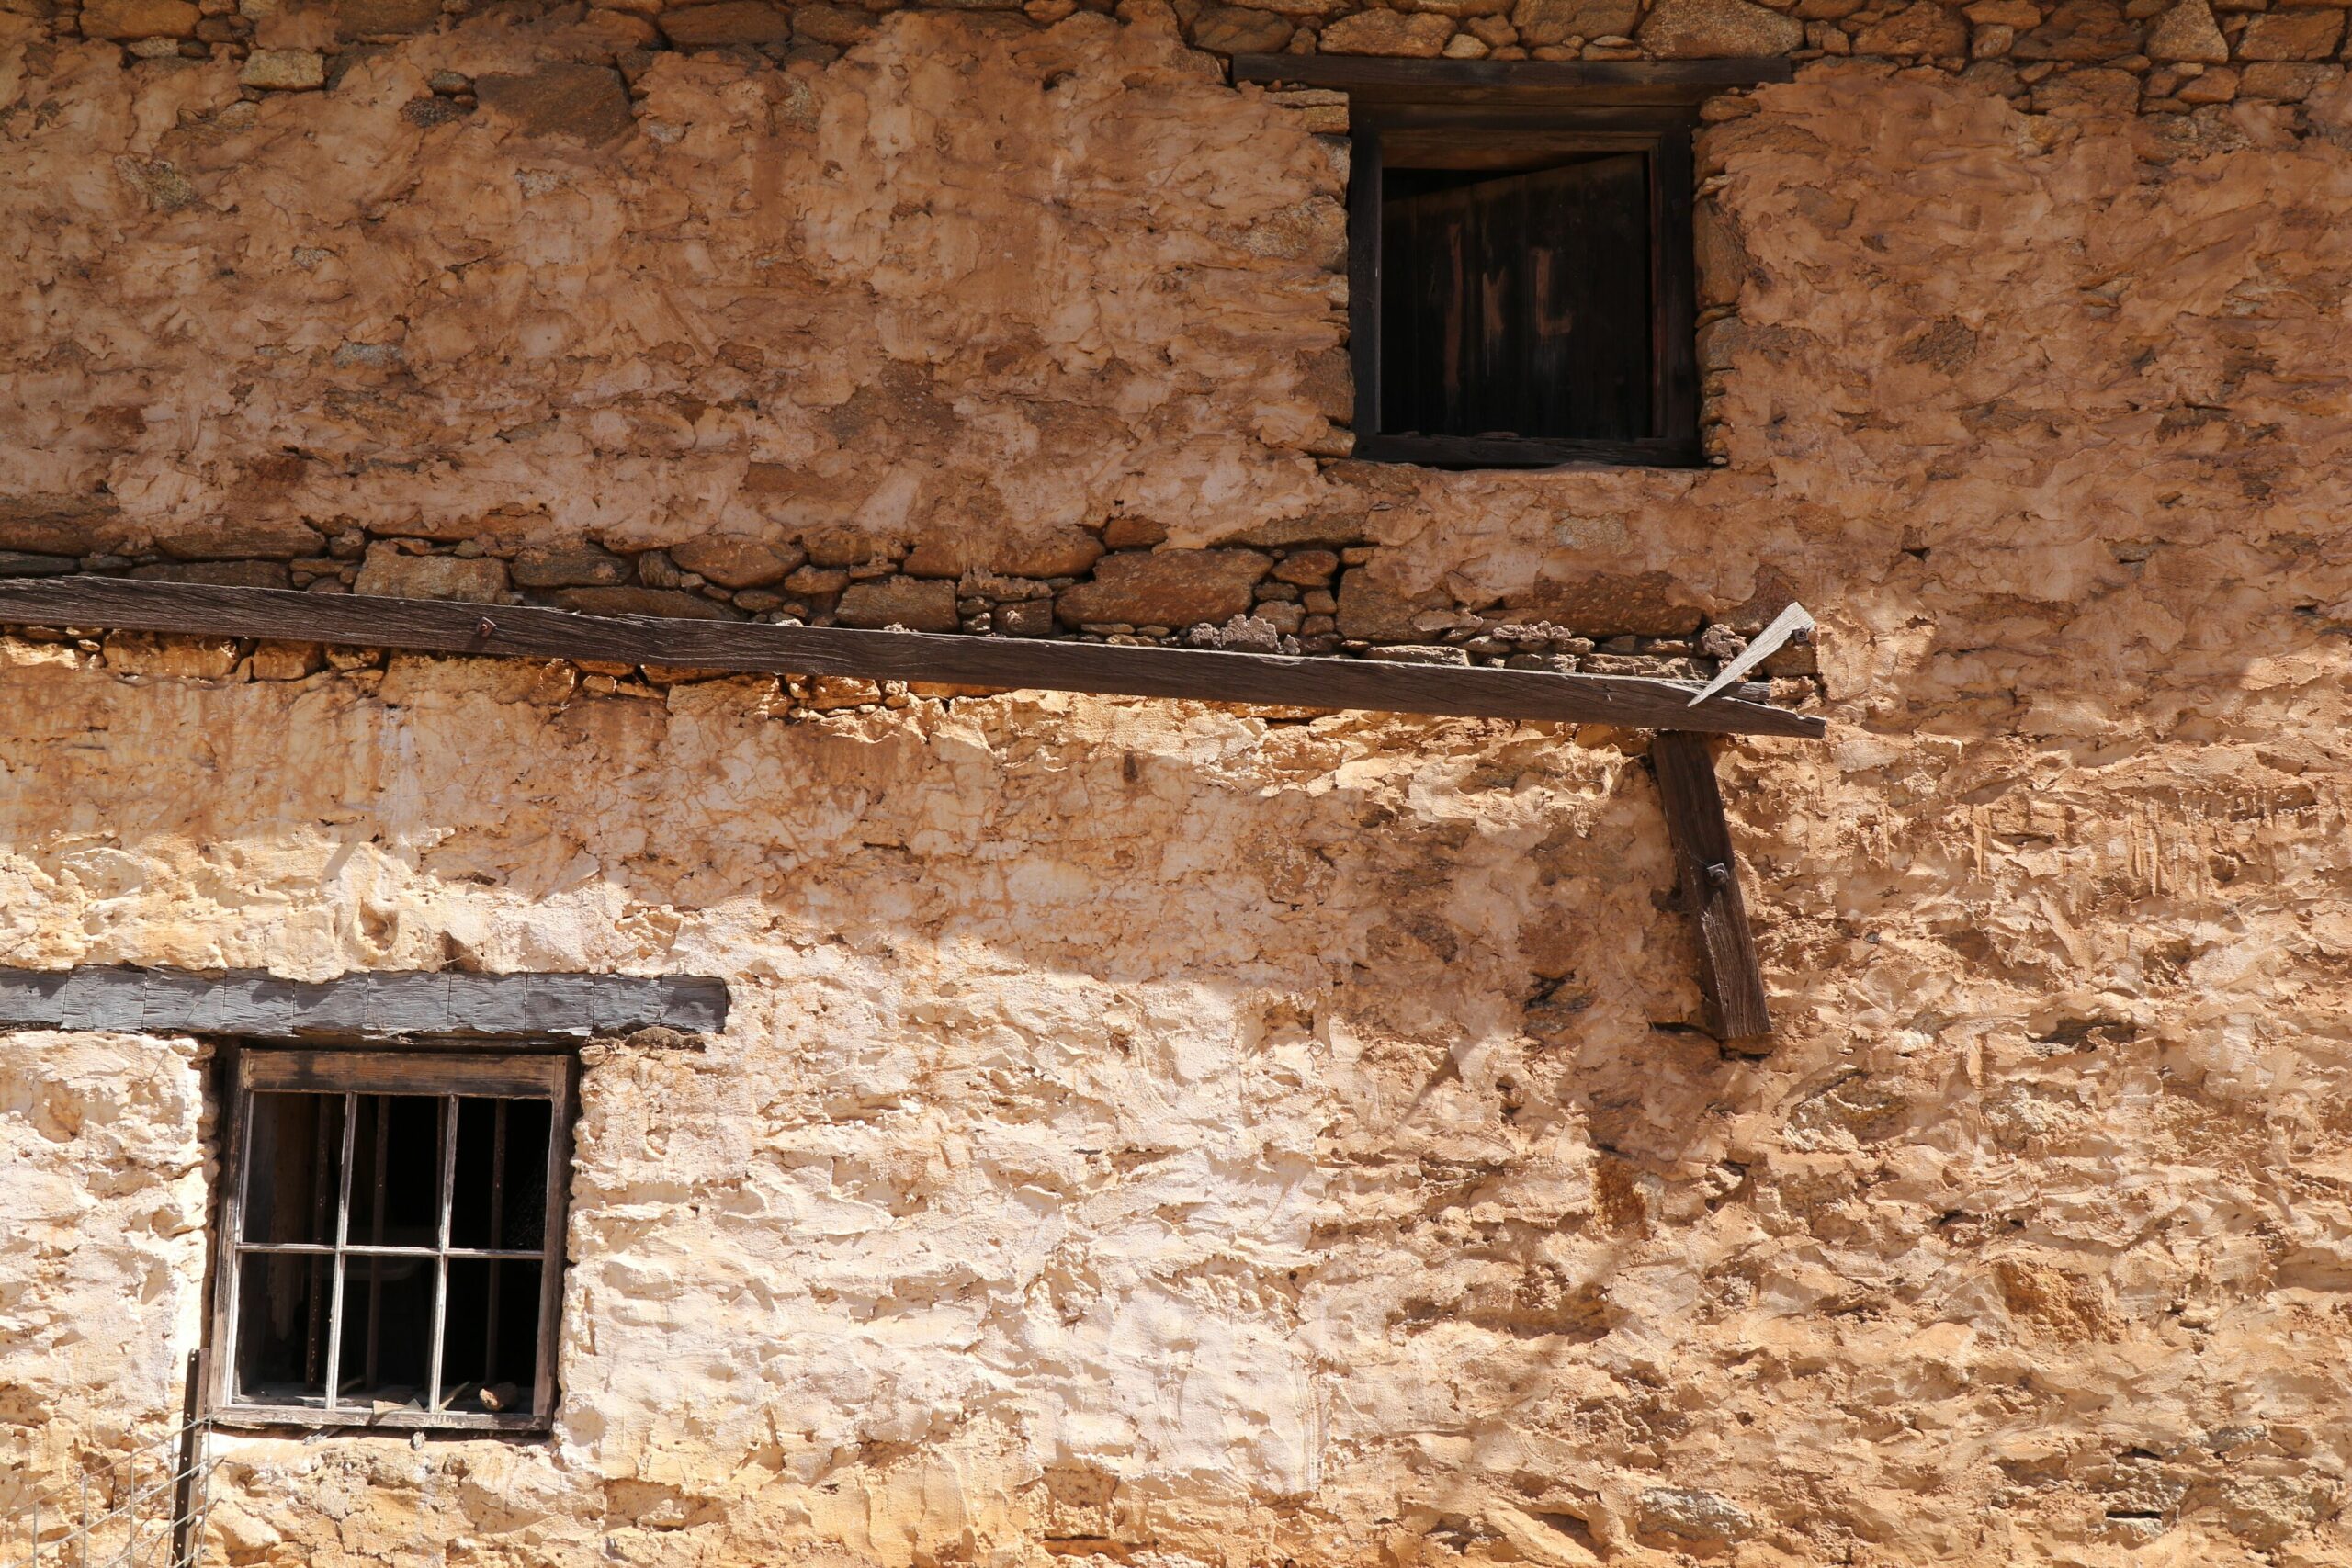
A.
x: 1618, y: 81
x: 1729, y: 975
x: 521, y: 631
x: 1526, y: 451
x: 252, y: 1005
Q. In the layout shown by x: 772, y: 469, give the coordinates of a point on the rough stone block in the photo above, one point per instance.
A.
x: 1238, y: 30
x: 569, y: 566
x: 1388, y: 33
x: 18, y: 563
x: 1690, y: 29
x: 586, y: 102
x: 195, y: 658
x: 139, y: 18
x: 1165, y: 588
x: 2081, y: 30
x: 1551, y: 21
x: 738, y: 563
x: 2187, y: 32
x: 2291, y: 35
x: 376, y: 18
x: 284, y: 70
x: 920, y: 604
x: 1608, y: 605
x: 219, y: 573
x: 243, y: 538
x: 1926, y: 29
x: 673, y: 603
x: 389, y: 573
x: 726, y: 22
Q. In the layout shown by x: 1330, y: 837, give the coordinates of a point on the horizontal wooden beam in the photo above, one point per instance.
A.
x: 253, y: 1005
x: 521, y: 631
x: 1371, y: 79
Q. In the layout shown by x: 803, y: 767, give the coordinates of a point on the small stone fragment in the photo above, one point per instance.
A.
x: 1418, y: 653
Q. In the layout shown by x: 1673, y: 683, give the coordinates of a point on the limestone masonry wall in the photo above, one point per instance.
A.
x: 1176, y: 1134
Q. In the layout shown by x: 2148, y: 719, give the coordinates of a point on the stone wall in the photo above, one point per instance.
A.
x: 1209, y: 1136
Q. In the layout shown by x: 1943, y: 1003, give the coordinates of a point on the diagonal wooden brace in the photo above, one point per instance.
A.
x: 1729, y: 977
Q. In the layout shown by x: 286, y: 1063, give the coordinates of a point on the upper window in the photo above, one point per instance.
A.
x: 1521, y: 275
x: 392, y: 1239
x: 1522, y: 285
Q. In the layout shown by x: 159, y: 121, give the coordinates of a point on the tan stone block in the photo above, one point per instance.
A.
x: 2096, y: 93
x: 190, y: 658
x: 2082, y: 29
x: 2285, y: 83
x: 1609, y: 605
x: 392, y: 574
x: 840, y: 26
x: 286, y: 660
x: 2216, y: 86
x: 569, y: 566
x: 1165, y: 588
x: 139, y: 18
x: 1239, y: 29
x: 919, y: 605
x: 243, y: 538
x: 738, y: 563
x: 284, y: 70
x: 1551, y: 21
x: 2291, y: 35
x: 586, y: 102
x: 375, y: 18
x: 1924, y: 28
x: 2005, y: 13
x: 667, y: 602
x: 1387, y: 32
x: 1687, y: 30
x: 727, y: 22
x: 2189, y: 32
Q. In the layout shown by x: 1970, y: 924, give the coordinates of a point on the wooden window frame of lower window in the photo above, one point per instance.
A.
x: 550, y: 1074
x: 1437, y: 135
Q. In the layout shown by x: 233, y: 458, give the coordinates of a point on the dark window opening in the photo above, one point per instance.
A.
x: 396, y: 1218
x: 1523, y: 287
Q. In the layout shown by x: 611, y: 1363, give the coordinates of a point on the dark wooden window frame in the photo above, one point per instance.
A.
x: 1435, y: 136
x: 449, y: 1075
x: 1446, y: 113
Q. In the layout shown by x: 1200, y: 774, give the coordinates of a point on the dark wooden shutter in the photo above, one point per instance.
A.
x: 1518, y: 303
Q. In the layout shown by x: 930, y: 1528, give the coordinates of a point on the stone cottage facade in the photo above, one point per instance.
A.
x: 1185, y: 1131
